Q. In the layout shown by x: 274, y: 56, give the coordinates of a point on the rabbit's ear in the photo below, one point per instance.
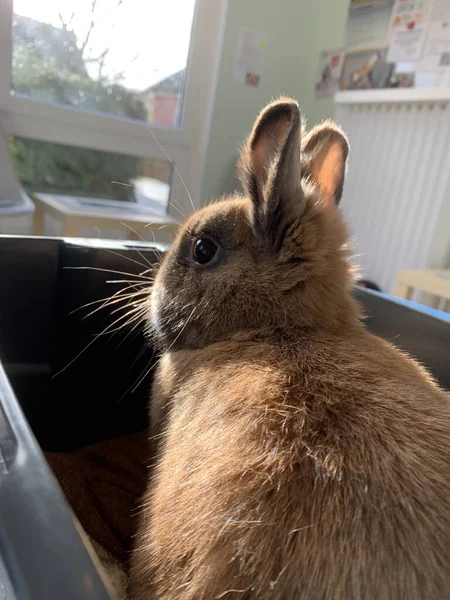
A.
x: 324, y: 158
x: 270, y: 162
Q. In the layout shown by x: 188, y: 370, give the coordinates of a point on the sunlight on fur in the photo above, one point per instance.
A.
x: 298, y: 455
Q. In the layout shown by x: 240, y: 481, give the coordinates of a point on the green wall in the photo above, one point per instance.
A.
x: 297, y: 31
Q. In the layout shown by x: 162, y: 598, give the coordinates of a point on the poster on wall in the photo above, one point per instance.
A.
x: 329, y: 72
x: 250, y: 55
x: 436, y: 56
x: 408, y: 30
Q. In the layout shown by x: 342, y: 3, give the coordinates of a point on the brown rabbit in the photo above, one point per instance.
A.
x: 301, y: 456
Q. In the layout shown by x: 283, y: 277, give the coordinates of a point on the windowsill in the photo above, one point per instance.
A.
x: 16, y: 209
x: 101, y: 209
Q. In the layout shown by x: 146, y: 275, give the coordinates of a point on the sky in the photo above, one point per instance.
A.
x: 148, y: 39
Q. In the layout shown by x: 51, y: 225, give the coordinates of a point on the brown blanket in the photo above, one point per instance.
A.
x: 103, y: 484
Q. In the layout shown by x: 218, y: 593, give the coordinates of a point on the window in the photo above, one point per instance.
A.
x: 97, y: 55
x: 98, y: 98
x: 44, y: 167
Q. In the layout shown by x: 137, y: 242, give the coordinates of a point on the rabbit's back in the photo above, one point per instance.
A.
x: 302, y: 466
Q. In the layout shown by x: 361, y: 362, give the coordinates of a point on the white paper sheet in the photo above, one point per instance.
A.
x: 436, y: 55
x: 250, y: 56
x: 408, y: 30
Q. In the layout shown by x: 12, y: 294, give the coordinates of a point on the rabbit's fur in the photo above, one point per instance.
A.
x: 301, y: 457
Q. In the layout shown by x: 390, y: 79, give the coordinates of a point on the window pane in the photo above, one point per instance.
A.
x: 123, y: 57
x: 98, y: 177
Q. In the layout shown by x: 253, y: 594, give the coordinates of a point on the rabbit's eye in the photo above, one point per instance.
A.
x: 204, y: 251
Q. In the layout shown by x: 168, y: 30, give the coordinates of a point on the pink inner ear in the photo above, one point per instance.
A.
x: 267, y: 143
x: 329, y: 172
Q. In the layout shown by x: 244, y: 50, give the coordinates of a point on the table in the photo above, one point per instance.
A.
x: 76, y: 213
x: 432, y: 281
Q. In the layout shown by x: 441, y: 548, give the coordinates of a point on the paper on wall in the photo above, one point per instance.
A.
x: 408, y: 30
x: 329, y: 72
x: 437, y: 48
x: 250, y: 55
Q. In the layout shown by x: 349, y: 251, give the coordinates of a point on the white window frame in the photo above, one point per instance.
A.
x: 186, y: 146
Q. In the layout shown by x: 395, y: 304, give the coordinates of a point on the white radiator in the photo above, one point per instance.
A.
x: 397, y: 195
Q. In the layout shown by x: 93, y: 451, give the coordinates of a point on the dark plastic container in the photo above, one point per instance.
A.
x: 96, y: 397
x: 76, y: 387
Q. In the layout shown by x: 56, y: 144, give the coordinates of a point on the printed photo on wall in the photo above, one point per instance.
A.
x: 369, y: 69
x: 329, y: 72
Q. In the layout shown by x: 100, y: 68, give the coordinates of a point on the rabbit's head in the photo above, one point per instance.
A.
x: 275, y: 258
